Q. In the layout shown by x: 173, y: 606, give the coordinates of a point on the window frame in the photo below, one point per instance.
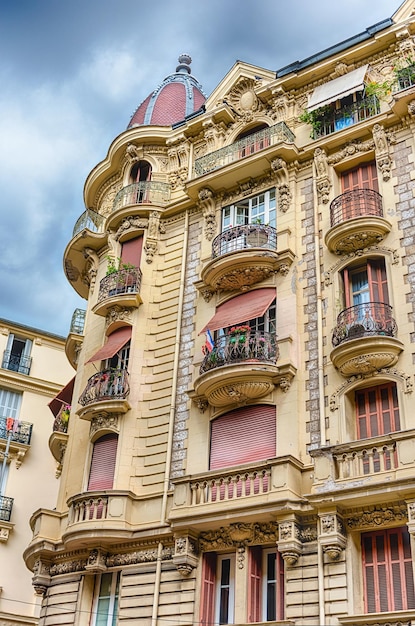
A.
x: 247, y: 211
x: 113, y: 605
x: 230, y: 587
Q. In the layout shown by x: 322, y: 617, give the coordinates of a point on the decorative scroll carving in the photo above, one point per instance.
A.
x: 185, y: 555
x: 323, y: 184
x: 202, y: 404
x: 235, y: 534
x: 41, y: 577
x: 289, y: 542
x: 351, y: 148
x: 138, y: 556
x: 207, y: 204
x: 332, y: 535
x: 131, y: 223
x: 334, y: 269
x: 243, y: 100
x: 96, y: 561
x: 118, y: 314
x: 104, y: 421
x: 383, y: 160
x: 279, y: 167
x: 68, y: 567
x: 90, y: 274
x: 151, y: 244
x: 377, y: 516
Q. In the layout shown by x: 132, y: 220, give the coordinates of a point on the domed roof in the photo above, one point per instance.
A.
x: 179, y: 95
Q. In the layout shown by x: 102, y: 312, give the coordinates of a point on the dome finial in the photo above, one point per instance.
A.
x: 184, y: 63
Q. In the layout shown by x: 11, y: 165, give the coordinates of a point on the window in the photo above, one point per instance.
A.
x: 218, y: 589
x: 260, y: 209
x: 363, y: 177
x: 131, y: 251
x: 140, y: 172
x: 104, y: 454
x: 377, y: 411
x: 266, y: 585
x: 120, y: 359
x: 387, y: 571
x: 366, y: 283
x: 17, y: 357
x: 105, y: 609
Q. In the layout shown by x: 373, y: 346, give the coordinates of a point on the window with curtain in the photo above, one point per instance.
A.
x: 387, y: 571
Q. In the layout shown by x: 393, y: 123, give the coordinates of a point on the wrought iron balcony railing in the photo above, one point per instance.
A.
x: 332, y: 120
x: 244, y: 237
x: 121, y: 282
x: 145, y: 192
x: 91, y: 220
x: 405, y: 78
x: 109, y: 384
x: 364, y: 320
x: 240, y: 347
x: 23, y: 433
x: 78, y: 322
x: 16, y: 362
x: 6, y: 505
x: 355, y: 203
x: 61, y: 421
x: 244, y: 147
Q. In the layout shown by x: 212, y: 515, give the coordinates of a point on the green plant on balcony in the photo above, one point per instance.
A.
x: 238, y: 333
x: 65, y: 413
x: 113, y: 265
x: 317, y: 118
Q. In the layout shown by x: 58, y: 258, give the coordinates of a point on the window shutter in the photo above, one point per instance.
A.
x: 363, y: 177
x: 280, y: 587
x: 378, y: 286
x: 9, y: 403
x: 207, y: 599
x: 101, y: 475
x: 377, y: 411
x: 243, y: 435
x: 254, y: 582
x: 131, y: 251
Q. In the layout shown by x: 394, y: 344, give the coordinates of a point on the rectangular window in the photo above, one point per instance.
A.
x: 387, y: 571
x: 218, y: 589
x: 377, y: 411
x: 120, y: 360
x: 17, y: 357
x: 105, y: 609
x: 266, y: 586
x: 260, y: 209
x: 363, y: 177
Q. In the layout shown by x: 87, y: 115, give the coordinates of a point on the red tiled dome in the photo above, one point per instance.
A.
x: 178, y: 96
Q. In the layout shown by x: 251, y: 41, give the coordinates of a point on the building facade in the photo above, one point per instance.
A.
x: 241, y: 447
x: 33, y: 368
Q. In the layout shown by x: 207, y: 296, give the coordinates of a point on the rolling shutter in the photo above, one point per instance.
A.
x: 104, y: 454
x: 131, y: 251
x: 243, y: 435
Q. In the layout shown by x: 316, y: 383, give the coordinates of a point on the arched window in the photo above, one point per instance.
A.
x: 140, y: 172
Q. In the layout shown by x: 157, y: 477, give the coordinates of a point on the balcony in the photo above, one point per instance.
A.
x: 59, y: 437
x: 6, y: 506
x: 19, y: 440
x: 356, y: 221
x: 16, y: 362
x: 75, y: 337
x: 144, y: 192
x: 403, y: 89
x: 241, y: 367
x: 245, y: 255
x: 328, y: 119
x: 121, y: 287
x: 365, y: 464
x: 235, y: 491
x: 364, y: 339
x: 88, y: 236
x: 247, y: 158
x: 106, y: 390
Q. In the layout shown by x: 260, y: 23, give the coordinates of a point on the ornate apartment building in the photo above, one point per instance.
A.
x: 241, y: 445
x: 33, y: 368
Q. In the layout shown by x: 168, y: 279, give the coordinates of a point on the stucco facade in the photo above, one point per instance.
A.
x: 267, y: 476
x: 33, y: 370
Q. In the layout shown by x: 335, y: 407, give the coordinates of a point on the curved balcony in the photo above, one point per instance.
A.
x: 144, y: 196
x: 88, y: 233
x: 356, y: 220
x: 364, y: 339
x: 121, y: 287
x: 106, y: 390
x: 241, y: 367
x: 245, y: 255
x: 75, y: 337
x: 59, y: 437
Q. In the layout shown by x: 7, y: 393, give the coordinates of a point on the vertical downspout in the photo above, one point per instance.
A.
x: 320, y: 365
x: 157, y: 586
x: 175, y: 372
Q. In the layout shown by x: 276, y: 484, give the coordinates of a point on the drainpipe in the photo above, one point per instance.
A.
x: 175, y: 372
x: 157, y: 586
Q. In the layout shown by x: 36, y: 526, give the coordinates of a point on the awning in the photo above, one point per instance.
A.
x: 337, y: 88
x: 115, y: 342
x: 242, y: 308
x: 63, y: 397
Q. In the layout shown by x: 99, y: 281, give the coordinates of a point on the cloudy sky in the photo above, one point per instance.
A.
x: 71, y: 75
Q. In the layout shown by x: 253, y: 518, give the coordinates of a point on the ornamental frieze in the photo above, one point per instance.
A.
x: 235, y: 534
x: 362, y: 253
x: 377, y: 516
x: 104, y: 421
x: 132, y: 222
x: 138, y: 556
x: 118, y: 314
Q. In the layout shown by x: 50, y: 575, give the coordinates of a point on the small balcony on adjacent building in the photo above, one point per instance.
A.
x: 236, y: 491
x: 106, y: 390
x: 245, y: 255
x: 16, y: 362
x: 88, y: 234
x: 17, y: 435
x: 358, y: 467
x: 59, y: 437
x: 247, y: 157
x: 356, y: 221
x: 241, y: 366
x: 119, y: 288
x: 75, y: 337
x: 365, y: 339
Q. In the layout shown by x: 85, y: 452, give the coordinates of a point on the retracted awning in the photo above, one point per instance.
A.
x: 337, y: 88
x: 242, y: 308
x: 63, y: 397
x: 115, y: 342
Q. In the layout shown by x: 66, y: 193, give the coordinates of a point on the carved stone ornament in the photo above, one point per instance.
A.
x: 4, y: 534
x: 378, y: 516
x: 284, y: 197
x: 368, y: 363
x: 207, y: 293
x: 131, y: 223
x: 289, y: 542
x: 185, y: 556
x: 323, y: 183
x: 383, y: 160
x: 350, y: 149
x: 90, y: 273
x: 118, y: 314
x: 96, y: 561
x: 332, y: 535
x: 41, y: 577
x: 238, y: 534
x: 104, y: 421
x: 243, y: 100
x: 139, y: 556
x: 411, y: 108
x: 150, y: 249
x: 202, y: 404
x: 207, y: 204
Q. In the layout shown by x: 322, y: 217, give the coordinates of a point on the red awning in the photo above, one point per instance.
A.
x: 242, y: 308
x: 115, y: 342
x: 63, y: 397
